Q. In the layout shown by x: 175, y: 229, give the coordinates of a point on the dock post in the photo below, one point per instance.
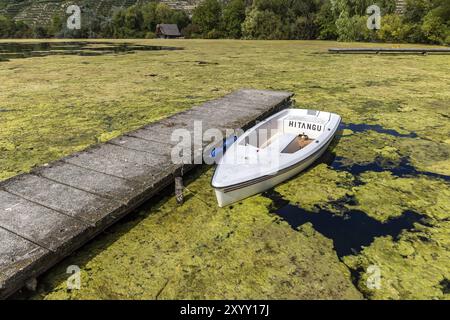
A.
x: 179, y: 189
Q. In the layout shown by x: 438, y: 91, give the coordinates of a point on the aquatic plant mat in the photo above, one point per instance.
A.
x: 49, y: 213
x: 384, y: 181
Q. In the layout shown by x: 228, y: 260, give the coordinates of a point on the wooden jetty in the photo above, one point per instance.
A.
x: 391, y: 50
x: 47, y: 214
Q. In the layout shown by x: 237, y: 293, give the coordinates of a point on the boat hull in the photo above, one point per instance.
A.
x: 226, y: 196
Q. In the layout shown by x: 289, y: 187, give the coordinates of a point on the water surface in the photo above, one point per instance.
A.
x: 20, y: 50
x: 350, y: 231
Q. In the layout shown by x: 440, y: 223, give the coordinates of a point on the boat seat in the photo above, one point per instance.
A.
x: 285, y: 140
x: 296, y: 144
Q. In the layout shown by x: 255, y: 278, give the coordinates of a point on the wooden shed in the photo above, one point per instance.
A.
x: 167, y: 31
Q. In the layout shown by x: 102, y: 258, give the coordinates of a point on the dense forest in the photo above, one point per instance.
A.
x: 423, y: 21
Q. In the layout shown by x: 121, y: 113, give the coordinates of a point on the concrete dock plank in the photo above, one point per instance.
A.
x: 113, y: 166
x: 17, y: 252
x: 128, y: 193
x: 20, y: 260
x: 47, y: 214
x: 91, y: 181
x: 152, y: 134
x: 140, y: 144
x: 43, y: 226
x: 73, y: 202
x: 123, y: 163
x: 158, y: 129
x: 188, y: 119
x: 259, y: 98
x: 127, y: 156
x: 221, y: 119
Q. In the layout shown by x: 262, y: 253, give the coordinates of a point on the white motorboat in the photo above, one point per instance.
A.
x: 273, y: 151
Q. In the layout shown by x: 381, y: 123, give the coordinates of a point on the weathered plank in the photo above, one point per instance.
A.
x: 153, y: 134
x: 43, y: 226
x: 391, y: 50
x: 144, y: 145
x: 73, y: 202
x: 20, y: 260
x: 91, y: 181
x: 47, y: 214
x: 123, y: 163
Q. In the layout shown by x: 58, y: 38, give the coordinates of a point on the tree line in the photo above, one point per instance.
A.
x: 424, y: 21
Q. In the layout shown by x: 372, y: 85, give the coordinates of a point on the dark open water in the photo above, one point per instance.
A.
x: 353, y: 229
x: 20, y: 50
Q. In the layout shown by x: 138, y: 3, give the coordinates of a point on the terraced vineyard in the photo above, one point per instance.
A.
x: 41, y: 11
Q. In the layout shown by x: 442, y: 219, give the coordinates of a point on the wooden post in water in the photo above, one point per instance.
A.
x: 179, y: 189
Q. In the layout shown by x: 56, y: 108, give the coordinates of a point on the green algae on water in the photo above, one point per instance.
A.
x: 412, y: 267
x: 200, y: 251
x: 318, y: 186
x: 383, y: 196
x: 53, y: 106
